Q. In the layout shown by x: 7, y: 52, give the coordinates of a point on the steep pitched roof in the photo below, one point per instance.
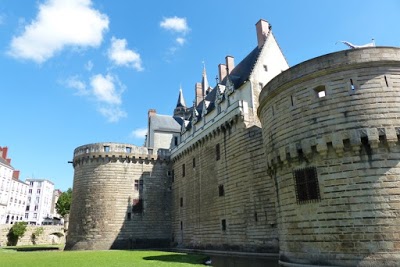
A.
x: 181, y: 99
x: 164, y: 123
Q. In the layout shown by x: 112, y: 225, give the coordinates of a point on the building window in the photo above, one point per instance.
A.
x: 223, y: 225
x: 194, y: 162
x: 260, y: 85
x: 139, y: 185
x: 176, y: 140
x: 26, y: 215
x: 27, y: 208
x: 137, y: 206
x: 106, y: 149
x: 31, y: 183
x: 352, y: 86
x: 129, y: 216
x: 320, y: 91
x: 35, y: 216
x: 255, y: 216
x: 183, y: 170
x: 128, y: 149
x: 36, y: 208
x: 217, y: 152
x: 30, y: 191
x: 181, y: 201
x: 265, y: 68
x: 173, y: 175
x: 221, y: 191
x: 38, y: 191
x: 181, y: 225
x: 306, y: 185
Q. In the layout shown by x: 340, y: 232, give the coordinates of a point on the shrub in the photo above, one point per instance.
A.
x: 15, y: 233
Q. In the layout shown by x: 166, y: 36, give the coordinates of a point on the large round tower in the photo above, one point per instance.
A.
x: 331, y: 128
x: 120, y: 199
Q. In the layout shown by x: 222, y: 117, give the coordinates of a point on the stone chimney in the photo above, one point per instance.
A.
x: 230, y: 64
x: 221, y: 72
x: 198, y: 93
x: 152, y: 112
x: 263, y: 28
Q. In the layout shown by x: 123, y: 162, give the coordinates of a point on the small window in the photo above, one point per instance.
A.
x: 128, y: 149
x: 129, y: 216
x: 183, y: 170
x: 38, y: 191
x: 137, y: 206
x: 217, y: 152
x: 106, y: 149
x: 27, y: 208
x: 306, y: 185
x: 386, y: 81
x: 173, y: 175
x: 223, y: 225
x: 26, y: 215
x: 221, y: 191
x: 35, y: 216
x: 87, y: 150
x: 181, y: 225
x: 194, y: 162
x: 255, y: 216
x: 291, y: 100
x: 181, y: 202
x: 176, y: 140
x: 352, y: 86
x: 320, y: 91
x: 260, y: 85
x: 265, y: 67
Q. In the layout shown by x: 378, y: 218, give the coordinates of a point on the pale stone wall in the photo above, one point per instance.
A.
x: 248, y: 203
x: 52, y: 235
x: 104, y: 194
x: 351, y: 137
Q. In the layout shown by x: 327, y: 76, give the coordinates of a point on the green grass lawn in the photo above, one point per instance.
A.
x: 111, y: 258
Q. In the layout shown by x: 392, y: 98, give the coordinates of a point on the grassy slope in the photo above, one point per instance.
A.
x: 113, y: 258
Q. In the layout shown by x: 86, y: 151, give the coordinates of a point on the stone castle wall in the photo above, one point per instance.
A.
x: 51, y: 235
x: 242, y: 217
x: 121, y: 198
x: 348, y: 136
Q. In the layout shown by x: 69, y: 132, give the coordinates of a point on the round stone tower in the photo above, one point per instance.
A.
x: 121, y: 198
x: 331, y: 129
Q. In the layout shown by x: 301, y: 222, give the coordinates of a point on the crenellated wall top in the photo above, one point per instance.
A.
x: 329, y: 63
x: 119, y: 149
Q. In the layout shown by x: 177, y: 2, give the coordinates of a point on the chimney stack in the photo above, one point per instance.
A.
x: 4, y: 151
x: 230, y: 64
x: 198, y: 93
x: 221, y: 72
x: 152, y: 112
x: 262, y: 28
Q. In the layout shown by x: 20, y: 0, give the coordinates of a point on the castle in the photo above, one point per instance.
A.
x: 301, y: 161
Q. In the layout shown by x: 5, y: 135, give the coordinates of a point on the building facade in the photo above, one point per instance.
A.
x: 39, y: 201
x: 13, y: 192
x: 302, y: 161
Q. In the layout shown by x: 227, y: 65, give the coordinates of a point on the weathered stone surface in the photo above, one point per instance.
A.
x: 104, y: 193
x: 349, y: 136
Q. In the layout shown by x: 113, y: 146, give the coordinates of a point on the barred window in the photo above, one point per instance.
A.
x: 307, y: 188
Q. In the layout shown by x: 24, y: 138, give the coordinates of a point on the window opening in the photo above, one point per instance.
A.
x: 306, y: 185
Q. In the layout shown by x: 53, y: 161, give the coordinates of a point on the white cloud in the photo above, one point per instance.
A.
x: 112, y: 113
x: 139, y: 133
x: 175, y: 24
x: 89, y: 65
x: 103, y: 88
x: 181, y: 40
x: 58, y: 24
x: 121, y: 56
x: 77, y: 84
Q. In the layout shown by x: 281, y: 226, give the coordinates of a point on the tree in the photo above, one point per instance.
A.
x: 16, y: 232
x: 63, y: 204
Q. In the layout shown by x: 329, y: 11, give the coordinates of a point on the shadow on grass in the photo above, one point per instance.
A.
x: 180, y: 258
x: 33, y: 248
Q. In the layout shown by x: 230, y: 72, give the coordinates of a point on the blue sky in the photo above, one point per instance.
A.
x: 75, y: 72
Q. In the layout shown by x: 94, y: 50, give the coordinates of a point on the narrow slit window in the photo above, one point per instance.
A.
x: 217, y: 152
x: 386, y: 81
x: 291, y: 100
x: 221, y: 190
x: 194, y: 162
x: 181, y: 202
x: 183, y: 170
x: 352, y: 86
x: 223, y: 225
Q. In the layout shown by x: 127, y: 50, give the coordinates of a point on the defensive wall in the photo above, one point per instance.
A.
x: 121, y: 197
x: 223, y: 198
x: 331, y: 128
x: 52, y: 234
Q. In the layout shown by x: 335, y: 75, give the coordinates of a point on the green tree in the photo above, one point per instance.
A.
x: 63, y: 204
x: 15, y: 233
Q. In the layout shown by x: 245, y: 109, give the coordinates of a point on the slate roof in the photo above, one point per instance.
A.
x: 5, y: 162
x: 164, y: 123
